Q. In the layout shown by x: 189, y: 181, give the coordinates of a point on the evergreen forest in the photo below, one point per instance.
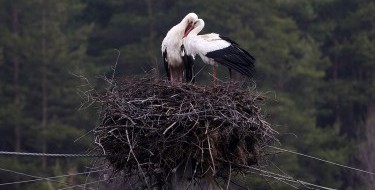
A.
x: 315, y: 65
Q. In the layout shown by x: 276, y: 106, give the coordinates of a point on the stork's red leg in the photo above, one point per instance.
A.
x: 230, y: 73
x: 171, y: 73
x: 215, y: 74
x: 180, y: 73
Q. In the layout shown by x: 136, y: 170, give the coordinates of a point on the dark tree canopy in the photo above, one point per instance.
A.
x: 315, y: 63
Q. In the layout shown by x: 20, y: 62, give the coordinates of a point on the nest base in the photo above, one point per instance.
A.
x: 152, y: 129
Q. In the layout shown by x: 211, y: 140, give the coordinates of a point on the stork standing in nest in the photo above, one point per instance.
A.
x: 173, y: 51
x: 216, y: 49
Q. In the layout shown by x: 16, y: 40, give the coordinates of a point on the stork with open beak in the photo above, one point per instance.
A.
x: 216, y: 49
x: 173, y: 51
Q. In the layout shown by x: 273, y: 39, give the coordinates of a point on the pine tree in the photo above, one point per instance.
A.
x: 291, y: 66
x: 40, y: 55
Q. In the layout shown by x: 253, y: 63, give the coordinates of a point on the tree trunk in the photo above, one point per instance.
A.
x: 152, y: 37
x: 367, y: 154
x: 16, y: 93
x: 44, y: 114
x: 151, y: 25
x: 16, y: 68
x: 44, y: 85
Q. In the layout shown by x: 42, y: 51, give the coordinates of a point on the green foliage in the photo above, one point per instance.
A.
x: 315, y: 63
x: 43, y: 39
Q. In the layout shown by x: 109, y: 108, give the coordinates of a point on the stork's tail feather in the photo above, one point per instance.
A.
x: 247, y: 71
x: 235, y: 58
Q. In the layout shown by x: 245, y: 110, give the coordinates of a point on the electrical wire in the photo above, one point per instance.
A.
x: 323, y: 160
x: 263, y: 172
x: 42, y: 178
x: 280, y: 177
x: 88, y: 183
x: 49, y: 155
x: 33, y: 176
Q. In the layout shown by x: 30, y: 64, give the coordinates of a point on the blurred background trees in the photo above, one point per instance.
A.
x: 315, y: 63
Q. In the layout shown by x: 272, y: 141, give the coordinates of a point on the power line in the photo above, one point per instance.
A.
x: 273, y: 175
x: 49, y: 155
x: 28, y: 175
x: 281, y: 177
x: 43, y: 178
x: 323, y: 160
x: 98, y: 181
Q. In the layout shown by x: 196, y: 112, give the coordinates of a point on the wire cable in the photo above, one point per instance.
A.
x: 33, y: 176
x: 98, y: 181
x: 44, y: 178
x: 323, y: 160
x: 50, y: 155
x: 280, y: 177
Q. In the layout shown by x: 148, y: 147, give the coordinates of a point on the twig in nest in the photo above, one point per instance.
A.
x: 170, y: 125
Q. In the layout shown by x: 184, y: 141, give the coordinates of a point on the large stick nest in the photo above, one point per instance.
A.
x: 151, y: 127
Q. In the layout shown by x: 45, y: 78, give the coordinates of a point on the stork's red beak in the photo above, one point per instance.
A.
x: 188, y: 29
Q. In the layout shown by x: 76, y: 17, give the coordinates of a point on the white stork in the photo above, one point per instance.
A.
x: 214, y: 48
x: 172, y: 49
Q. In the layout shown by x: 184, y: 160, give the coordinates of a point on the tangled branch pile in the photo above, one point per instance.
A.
x: 151, y: 127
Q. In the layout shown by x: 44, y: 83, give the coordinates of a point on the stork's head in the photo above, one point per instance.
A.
x: 188, y: 22
x: 196, y: 27
x: 198, y: 23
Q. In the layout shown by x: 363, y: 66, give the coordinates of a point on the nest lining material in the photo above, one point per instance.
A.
x: 152, y: 127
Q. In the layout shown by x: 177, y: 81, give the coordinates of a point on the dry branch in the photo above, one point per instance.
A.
x: 150, y: 127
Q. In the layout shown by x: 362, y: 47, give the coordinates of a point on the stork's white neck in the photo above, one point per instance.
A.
x: 191, y: 17
x: 198, y: 28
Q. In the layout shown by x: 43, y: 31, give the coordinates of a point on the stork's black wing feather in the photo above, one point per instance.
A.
x: 228, y: 40
x: 188, y: 61
x: 236, y: 44
x: 234, y: 57
x: 166, y: 66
